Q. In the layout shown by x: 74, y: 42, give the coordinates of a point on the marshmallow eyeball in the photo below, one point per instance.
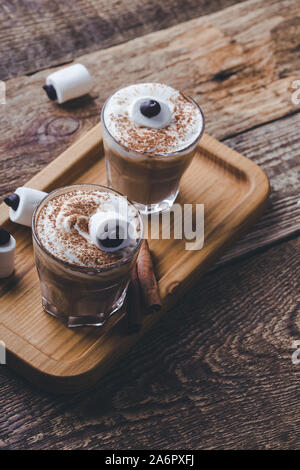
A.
x: 23, y: 203
x: 68, y: 83
x: 149, y: 112
x: 109, y: 232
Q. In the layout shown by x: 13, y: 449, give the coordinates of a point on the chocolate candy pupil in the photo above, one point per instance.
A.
x: 51, y: 92
x: 150, y: 108
x: 4, y: 236
x: 13, y: 201
x: 112, y: 242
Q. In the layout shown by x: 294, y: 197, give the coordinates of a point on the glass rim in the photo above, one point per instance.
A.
x: 76, y: 267
x: 177, y: 152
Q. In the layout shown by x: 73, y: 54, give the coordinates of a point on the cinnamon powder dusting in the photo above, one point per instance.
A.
x: 63, y: 228
x: 183, y: 130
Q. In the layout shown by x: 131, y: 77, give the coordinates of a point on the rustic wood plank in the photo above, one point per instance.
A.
x: 43, y: 33
x: 281, y: 220
x: 216, y: 377
x: 227, y: 374
x: 275, y: 147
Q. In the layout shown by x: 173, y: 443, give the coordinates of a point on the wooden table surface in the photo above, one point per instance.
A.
x: 217, y: 371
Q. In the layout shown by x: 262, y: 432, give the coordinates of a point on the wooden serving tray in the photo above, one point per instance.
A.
x: 234, y: 191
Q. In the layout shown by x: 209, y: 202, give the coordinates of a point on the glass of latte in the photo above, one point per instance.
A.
x: 86, y: 239
x: 150, y: 135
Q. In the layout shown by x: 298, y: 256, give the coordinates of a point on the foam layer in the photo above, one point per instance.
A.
x: 184, y: 128
x: 62, y: 226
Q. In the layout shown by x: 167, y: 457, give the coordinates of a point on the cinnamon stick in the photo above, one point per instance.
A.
x: 134, y: 303
x: 147, y: 280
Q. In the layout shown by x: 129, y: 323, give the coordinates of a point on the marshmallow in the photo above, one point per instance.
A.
x: 110, y: 231
x: 150, y: 112
x: 23, y: 203
x: 7, y: 253
x: 68, y: 83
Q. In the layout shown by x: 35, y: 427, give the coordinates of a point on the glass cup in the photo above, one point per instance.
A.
x: 78, y: 295
x: 151, y: 182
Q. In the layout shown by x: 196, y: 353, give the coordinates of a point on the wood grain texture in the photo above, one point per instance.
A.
x: 215, y: 376
x: 38, y: 34
x: 234, y: 193
x: 258, y: 92
x: 239, y: 76
x: 275, y: 147
x: 222, y: 378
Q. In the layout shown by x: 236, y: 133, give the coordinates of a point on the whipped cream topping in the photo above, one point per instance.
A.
x: 62, y: 226
x: 182, y: 128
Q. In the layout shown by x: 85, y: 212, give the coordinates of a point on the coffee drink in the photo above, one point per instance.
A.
x: 86, y: 240
x: 150, y: 133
